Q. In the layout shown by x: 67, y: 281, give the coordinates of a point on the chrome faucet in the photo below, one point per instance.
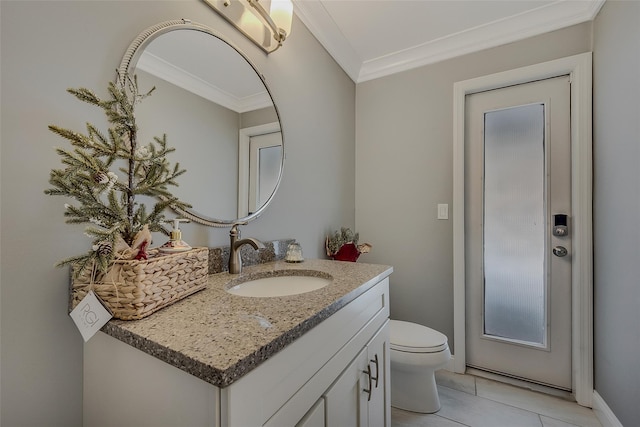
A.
x: 235, y: 260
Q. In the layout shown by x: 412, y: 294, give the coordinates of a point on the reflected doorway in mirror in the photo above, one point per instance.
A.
x: 259, y: 166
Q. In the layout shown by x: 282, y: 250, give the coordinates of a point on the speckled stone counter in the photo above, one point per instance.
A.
x: 219, y: 337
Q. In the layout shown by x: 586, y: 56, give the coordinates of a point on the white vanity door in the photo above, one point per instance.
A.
x: 346, y: 400
x: 378, y: 407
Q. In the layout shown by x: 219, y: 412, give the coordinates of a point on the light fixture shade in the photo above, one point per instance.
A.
x: 267, y: 23
x: 281, y: 12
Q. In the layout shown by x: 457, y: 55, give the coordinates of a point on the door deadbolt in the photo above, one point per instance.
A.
x: 560, y: 225
x: 560, y: 251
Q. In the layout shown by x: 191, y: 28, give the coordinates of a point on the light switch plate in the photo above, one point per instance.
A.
x: 443, y: 211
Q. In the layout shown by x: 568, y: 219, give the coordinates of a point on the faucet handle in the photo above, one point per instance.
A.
x: 234, y: 228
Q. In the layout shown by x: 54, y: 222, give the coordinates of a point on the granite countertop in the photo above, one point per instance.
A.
x: 219, y: 337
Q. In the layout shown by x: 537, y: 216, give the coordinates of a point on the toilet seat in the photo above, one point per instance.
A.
x: 413, y: 338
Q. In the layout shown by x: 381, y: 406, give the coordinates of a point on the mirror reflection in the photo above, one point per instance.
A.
x: 220, y: 117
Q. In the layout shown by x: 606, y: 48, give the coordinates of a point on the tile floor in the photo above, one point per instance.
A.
x: 469, y: 401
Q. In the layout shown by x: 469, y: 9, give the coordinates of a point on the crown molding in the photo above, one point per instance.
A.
x: 162, y: 69
x: 543, y: 19
x: 316, y: 18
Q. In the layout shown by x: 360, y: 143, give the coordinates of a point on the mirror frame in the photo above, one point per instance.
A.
x: 130, y: 60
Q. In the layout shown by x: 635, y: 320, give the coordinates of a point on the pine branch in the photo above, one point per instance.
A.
x: 78, y: 261
x: 86, y: 95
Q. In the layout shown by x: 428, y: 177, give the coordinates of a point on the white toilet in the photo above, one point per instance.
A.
x: 416, y: 353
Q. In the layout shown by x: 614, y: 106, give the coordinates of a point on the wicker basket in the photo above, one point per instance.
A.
x: 144, y: 287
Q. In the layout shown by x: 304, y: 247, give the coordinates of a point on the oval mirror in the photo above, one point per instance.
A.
x: 218, y: 114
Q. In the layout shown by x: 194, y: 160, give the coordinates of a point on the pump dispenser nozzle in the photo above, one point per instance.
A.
x: 176, y: 244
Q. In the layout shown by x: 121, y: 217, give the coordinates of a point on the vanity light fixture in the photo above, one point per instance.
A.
x: 267, y: 29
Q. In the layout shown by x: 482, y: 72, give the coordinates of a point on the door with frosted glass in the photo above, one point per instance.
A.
x: 518, y: 231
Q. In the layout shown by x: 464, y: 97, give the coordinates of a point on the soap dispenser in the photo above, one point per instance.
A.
x: 176, y: 244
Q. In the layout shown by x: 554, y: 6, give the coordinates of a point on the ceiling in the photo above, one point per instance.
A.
x: 375, y: 38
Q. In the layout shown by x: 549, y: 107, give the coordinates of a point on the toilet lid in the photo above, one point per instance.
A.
x: 414, y: 338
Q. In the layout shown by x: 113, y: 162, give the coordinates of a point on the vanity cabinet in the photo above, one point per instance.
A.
x: 359, y: 396
x: 318, y: 380
x: 326, y: 366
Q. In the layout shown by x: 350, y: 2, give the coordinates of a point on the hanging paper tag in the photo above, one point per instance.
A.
x: 90, y: 315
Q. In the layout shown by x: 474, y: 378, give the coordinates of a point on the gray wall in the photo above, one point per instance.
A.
x: 404, y: 133
x: 50, y: 46
x: 617, y: 207
x: 206, y: 142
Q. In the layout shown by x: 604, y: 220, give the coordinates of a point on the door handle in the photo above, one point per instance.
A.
x: 560, y: 251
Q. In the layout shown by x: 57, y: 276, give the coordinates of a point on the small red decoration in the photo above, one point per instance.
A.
x: 347, y: 252
x: 142, y: 253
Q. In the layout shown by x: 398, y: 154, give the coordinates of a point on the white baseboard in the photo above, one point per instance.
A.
x: 604, y: 413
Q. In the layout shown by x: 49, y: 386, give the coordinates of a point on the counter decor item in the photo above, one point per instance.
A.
x: 343, y: 245
x: 175, y: 243
x: 294, y: 253
x: 134, y: 289
x: 103, y: 173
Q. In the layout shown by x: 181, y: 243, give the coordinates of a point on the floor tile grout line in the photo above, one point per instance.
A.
x: 536, y: 392
x: 503, y: 403
x: 529, y: 410
x: 539, y: 415
x: 452, y: 420
x: 558, y: 419
x: 451, y: 384
x: 475, y: 386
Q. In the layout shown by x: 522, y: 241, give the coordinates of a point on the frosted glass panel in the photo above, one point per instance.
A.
x: 514, y: 224
x: 270, y: 159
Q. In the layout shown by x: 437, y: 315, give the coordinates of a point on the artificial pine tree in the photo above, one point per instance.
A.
x: 106, y: 200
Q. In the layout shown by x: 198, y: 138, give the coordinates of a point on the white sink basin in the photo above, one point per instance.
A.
x: 286, y: 283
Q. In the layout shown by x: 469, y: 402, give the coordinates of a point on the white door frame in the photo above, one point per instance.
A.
x: 578, y: 67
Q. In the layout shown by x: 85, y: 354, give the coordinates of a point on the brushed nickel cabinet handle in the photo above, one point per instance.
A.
x: 377, y: 369
x: 368, y: 372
